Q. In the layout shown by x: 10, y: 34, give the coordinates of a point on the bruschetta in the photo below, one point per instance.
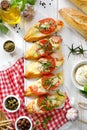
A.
x: 81, y: 4
x: 43, y: 28
x: 43, y: 48
x: 75, y: 19
x: 46, y: 103
x: 45, y: 84
x: 43, y: 66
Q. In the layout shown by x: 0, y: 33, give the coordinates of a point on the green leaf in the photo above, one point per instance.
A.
x: 23, y: 5
x: 3, y: 28
x: 1, y: 21
x: 85, y: 87
x: 32, y: 2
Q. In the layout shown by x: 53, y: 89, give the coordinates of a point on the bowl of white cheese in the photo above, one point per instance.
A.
x: 79, y: 74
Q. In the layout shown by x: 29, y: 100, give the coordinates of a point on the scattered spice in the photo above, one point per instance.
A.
x: 9, y: 46
x: 44, y: 4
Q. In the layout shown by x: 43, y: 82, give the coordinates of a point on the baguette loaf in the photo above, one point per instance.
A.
x: 75, y: 19
x: 81, y: 4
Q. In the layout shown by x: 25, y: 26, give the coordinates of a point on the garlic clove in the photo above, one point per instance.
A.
x: 72, y: 114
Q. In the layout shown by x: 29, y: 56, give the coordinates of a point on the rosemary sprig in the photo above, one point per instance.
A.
x: 76, y: 50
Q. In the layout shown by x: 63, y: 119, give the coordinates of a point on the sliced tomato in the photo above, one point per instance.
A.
x: 47, y: 25
x: 47, y: 69
x: 35, y: 89
x: 47, y: 84
x: 46, y: 46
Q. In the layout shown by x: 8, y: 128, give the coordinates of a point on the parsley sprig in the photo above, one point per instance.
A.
x: 76, y: 50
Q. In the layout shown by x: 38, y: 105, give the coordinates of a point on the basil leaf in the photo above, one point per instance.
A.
x: 23, y: 4
x: 3, y: 29
x: 85, y: 87
x: 32, y: 2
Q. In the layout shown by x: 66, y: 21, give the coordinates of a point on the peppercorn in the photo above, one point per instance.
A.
x: 5, y: 4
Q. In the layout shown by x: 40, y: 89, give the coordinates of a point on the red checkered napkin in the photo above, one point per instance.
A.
x: 12, y: 82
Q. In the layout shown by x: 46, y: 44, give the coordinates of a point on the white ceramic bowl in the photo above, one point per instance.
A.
x: 4, y: 102
x: 21, y: 117
x: 76, y: 66
x: 9, y: 52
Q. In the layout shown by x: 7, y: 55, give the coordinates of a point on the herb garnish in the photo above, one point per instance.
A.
x: 46, y: 65
x: 76, y: 50
x: 49, y: 82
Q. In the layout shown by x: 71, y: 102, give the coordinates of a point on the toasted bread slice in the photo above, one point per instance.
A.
x: 46, y: 103
x: 45, y: 84
x: 81, y: 4
x: 43, y: 48
x: 35, y: 33
x: 75, y: 19
x: 43, y: 66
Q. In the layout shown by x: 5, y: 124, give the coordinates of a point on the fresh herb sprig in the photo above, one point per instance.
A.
x: 3, y: 28
x: 76, y: 50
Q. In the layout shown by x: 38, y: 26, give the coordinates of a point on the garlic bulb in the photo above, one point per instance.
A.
x: 72, y: 114
x: 28, y: 12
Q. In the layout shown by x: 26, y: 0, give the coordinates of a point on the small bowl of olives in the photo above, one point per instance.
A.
x: 11, y: 103
x: 23, y: 123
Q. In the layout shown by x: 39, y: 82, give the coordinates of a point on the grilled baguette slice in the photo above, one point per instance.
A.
x: 43, y: 66
x: 45, y: 84
x: 81, y: 4
x: 75, y: 19
x: 43, y: 48
x: 43, y: 104
x: 36, y: 32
